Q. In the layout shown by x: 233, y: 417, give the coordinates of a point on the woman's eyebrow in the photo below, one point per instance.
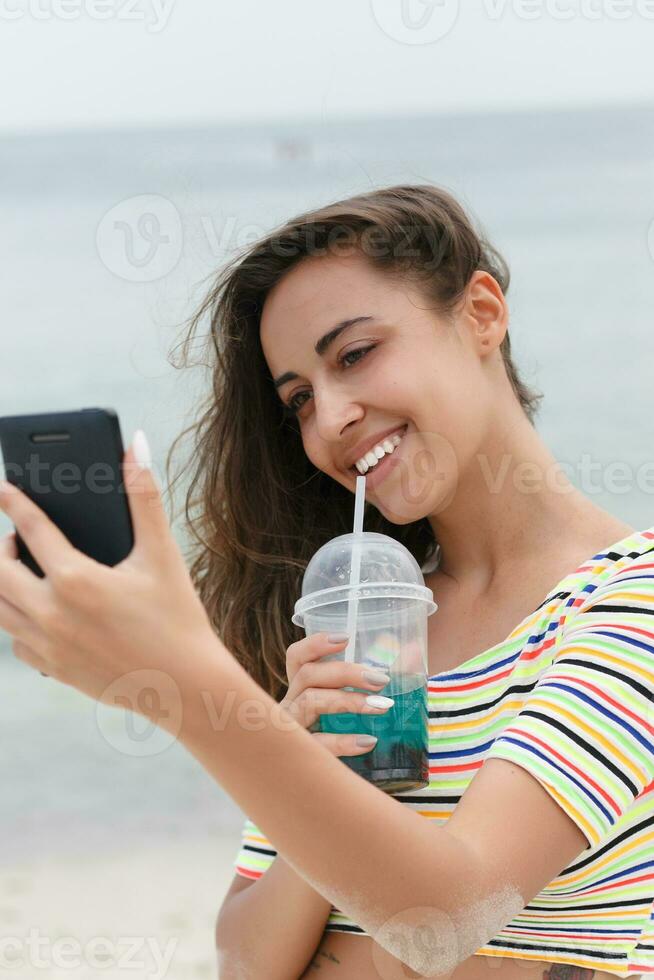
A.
x: 323, y: 344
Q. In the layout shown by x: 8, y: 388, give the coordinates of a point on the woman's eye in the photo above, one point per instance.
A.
x: 359, y: 350
x: 293, y: 407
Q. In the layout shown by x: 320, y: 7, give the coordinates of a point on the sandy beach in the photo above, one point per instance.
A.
x: 100, y: 844
x: 149, y: 910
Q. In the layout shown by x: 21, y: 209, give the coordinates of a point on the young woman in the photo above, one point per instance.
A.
x: 379, y: 325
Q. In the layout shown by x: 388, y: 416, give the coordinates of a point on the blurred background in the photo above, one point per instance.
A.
x: 141, y: 144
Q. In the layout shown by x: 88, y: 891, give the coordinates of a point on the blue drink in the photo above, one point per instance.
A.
x: 399, y: 760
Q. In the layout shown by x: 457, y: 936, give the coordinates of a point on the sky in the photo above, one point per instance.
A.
x: 80, y: 64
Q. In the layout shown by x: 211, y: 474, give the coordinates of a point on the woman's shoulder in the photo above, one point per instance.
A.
x: 631, y: 556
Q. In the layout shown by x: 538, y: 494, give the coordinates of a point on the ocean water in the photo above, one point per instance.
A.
x: 92, y: 301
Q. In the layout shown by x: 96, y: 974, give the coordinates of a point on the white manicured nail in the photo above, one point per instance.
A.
x: 378, y: 701
x: 141, y: 449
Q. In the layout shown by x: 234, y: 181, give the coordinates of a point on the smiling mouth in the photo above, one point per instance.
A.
x: 353, y: 469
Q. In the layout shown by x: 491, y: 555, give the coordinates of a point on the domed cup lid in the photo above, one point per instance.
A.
x: 386, y: 568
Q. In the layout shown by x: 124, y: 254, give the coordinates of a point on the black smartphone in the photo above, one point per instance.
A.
x: 70, y: 465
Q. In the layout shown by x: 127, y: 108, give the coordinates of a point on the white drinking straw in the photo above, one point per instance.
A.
x: 355, y: 568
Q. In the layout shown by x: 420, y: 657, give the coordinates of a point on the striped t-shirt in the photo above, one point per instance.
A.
x: 568, y: 696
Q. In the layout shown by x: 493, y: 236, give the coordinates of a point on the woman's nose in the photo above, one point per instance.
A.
x: 333, y: 415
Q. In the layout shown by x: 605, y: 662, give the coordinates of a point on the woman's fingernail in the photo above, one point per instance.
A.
x: 141, y: 449
x: 379, y: 701
x: 365, y: 740
x: 337, y: 637
x: 375, y: 677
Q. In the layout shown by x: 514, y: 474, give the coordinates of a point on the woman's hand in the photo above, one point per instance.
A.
x: 315, y: 687
x: 90, y: 625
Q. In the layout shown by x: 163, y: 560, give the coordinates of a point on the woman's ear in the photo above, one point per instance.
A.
x: 487, y: 311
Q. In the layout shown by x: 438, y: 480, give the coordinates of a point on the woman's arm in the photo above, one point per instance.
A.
x: 381, y: 864
x: 272, y: 926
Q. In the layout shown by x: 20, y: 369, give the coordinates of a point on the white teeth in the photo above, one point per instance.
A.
x: 378, y: 452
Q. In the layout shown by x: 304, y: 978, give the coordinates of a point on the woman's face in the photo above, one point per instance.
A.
x: 401, y: 366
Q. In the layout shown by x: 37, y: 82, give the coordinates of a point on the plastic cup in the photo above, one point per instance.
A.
x: 390, y: 633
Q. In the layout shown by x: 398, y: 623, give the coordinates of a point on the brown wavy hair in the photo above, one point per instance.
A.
x: 250, y: 547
